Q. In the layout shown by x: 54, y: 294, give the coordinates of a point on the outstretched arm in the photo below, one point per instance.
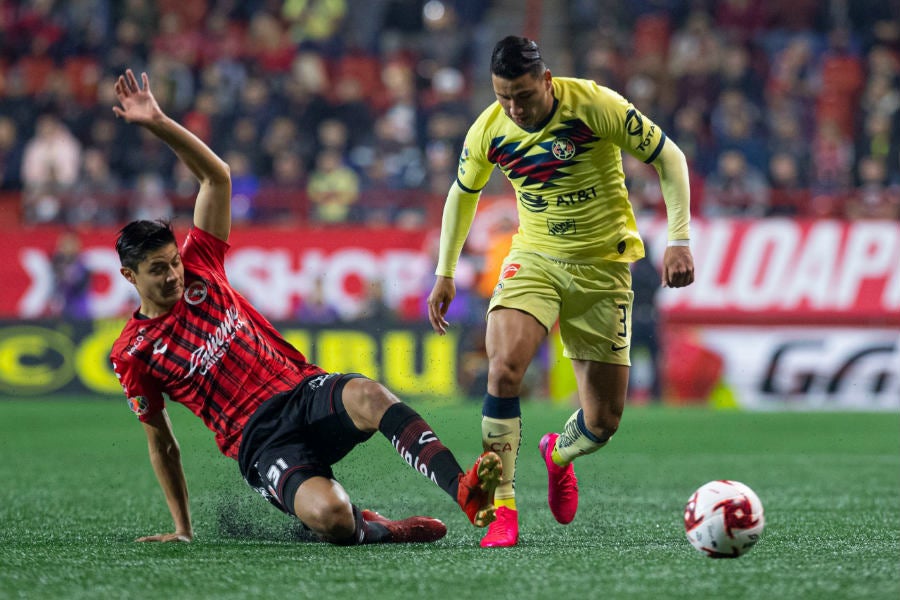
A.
x: 212, y: 209
x: 459, y: 212
x: 165, y: 456
x: 678, y: 262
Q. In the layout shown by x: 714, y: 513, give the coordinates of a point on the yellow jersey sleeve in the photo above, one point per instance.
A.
x: 567, y: 173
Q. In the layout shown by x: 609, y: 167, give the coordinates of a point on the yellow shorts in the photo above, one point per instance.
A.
x: 591, y: 302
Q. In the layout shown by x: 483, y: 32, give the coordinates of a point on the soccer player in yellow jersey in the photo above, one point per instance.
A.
x: 559, y: 142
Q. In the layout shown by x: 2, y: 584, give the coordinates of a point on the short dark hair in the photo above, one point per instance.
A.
x: 140, y: 238
x: 514, y: 56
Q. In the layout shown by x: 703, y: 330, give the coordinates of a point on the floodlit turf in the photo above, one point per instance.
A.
x: 78, y: 488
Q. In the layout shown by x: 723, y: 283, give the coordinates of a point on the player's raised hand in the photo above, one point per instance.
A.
x: 166, y: 537
x: 138, y: 104
x: 439, y: 300
x: 678, y: 267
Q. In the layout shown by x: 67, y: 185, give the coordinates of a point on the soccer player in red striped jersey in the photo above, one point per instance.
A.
x: 286, y: 421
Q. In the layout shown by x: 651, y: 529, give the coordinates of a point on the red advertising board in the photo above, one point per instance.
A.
x: 787, y: 271
x: 274, y: 268
x: 748, y: 271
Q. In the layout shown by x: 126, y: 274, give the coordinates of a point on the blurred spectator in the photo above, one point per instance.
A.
x: 791, y: 72
x: 695, y: 53
x: 149, y: 200
x: 840, y: 81
x: 256, y: 103
x: 50, y: 166
x: 269, y: 44
x: 373, y: 306
x: 832, y: 159
x: 10, y: 155
x: 314, y: 22
x: 71, y: 279
x: 737, y: 72
x: 876, y: 138
x: 95, y: 193
x: 740, y: 20
x: 243, y: 137
x: 735, y: 189
x: 735, y: 121
x: 787, y: 133
x: 874, y: 198
x: 244, y: 187
x: 604, y: 63
x: 694, y: 138
x: 789, y: 191
x: 288, y: 172
x: 644, y: 190
x: 314, y: 308
x: 333, y: 189
x: 280, y: 137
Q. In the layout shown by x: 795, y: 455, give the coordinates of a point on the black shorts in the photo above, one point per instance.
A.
x: 296, y: 435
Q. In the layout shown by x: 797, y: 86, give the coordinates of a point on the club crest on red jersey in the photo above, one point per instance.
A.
x: 195, y: 293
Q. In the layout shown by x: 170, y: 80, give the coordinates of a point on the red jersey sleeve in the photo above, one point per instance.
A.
x: 143, y: 394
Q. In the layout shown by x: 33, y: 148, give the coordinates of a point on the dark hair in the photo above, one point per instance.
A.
x: 139, y: 238
x: 514, y: 56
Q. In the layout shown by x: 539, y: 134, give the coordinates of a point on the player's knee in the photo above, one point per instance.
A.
x: 505, y: 376
x: 330, y: 518
x: 367, y: 403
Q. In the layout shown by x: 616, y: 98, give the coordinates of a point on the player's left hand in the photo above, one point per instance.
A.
x: 138, y: 104
x: 678, y: 267
x: 439, y: 300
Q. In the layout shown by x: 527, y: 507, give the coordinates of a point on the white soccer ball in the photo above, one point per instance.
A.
x: 723, y: 519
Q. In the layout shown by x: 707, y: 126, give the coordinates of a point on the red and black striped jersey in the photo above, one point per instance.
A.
x: 213, y: 352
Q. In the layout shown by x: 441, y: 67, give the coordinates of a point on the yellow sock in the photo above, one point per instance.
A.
x: 575, y: 441
x: 503, y: 436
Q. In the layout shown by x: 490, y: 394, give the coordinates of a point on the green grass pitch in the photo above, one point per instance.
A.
x: 77, y: 488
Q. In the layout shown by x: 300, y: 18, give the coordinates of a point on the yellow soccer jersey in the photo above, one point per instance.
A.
x: 567, y: 174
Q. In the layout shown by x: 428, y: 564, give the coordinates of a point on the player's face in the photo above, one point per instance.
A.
x: 526, y: 100
x: 159, y: 280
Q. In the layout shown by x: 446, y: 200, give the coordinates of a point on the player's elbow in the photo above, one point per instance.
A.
x: 672, y: 156
x: 167, y: 450
x: 221, y: 175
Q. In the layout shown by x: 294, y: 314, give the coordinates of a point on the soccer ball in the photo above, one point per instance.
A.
x: 723, y: 519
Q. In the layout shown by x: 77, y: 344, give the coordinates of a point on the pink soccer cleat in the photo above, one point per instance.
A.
x: 562, y: 485
x: 503, y: 532
x: 408, y: 531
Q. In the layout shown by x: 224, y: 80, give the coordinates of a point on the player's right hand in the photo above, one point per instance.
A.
x: 439, y: 300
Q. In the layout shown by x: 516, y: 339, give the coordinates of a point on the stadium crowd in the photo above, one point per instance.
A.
x: 332, y: 111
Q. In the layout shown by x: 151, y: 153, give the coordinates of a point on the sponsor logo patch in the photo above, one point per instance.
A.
x: 561, y: 227
x: 510, y: 270
x: 139, y: 405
